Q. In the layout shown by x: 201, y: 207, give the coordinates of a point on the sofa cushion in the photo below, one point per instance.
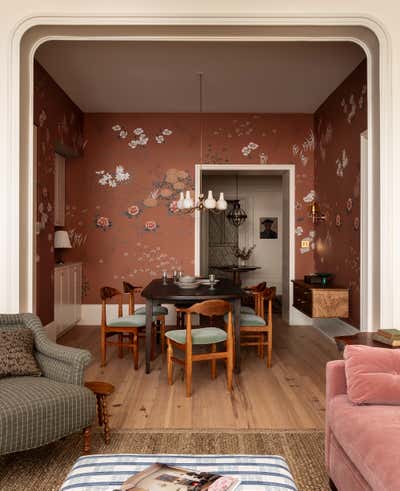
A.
x: 16, y: 353
x: 372, y: 375
x: 369, y: 435
x: 36, y: 410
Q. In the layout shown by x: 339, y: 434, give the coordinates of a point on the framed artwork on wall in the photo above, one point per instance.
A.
x: 268, y: 227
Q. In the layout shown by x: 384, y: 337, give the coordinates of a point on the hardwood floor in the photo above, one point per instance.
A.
x: 290, y: 394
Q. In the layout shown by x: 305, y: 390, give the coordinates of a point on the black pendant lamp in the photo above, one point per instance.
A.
x: 237, y: 216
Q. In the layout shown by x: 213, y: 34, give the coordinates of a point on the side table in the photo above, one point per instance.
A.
x: 102, y: 390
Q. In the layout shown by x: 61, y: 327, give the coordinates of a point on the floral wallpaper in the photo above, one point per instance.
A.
x: 338, y: 125
x: 122, y: 192
x: 59, y: 122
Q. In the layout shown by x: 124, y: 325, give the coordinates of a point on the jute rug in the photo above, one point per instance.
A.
x: 44, y: 469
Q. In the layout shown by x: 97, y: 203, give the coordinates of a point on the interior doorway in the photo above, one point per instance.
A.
x: 278, y: 182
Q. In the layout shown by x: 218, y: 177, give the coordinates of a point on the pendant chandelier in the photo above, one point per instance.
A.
x: 186, y: 204
x: 237, y: 216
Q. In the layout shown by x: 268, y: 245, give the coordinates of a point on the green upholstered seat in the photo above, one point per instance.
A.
x: 128, y: 321
x: 247, y: 310
x: 157, y: 310
x: 201, y: 335
x: 249, y: 320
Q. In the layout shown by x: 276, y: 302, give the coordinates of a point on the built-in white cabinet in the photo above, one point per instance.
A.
x: 67, y: 296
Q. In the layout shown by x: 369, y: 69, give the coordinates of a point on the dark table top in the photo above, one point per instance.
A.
x: 364, y: 338
x: 237, y: 268
x: 224, y: 289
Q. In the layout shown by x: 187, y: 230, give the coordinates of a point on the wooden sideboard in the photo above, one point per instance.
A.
x: 320, y: 302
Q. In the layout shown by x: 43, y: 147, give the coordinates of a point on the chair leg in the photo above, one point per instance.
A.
x: 135, y: 351
x: 99, y: 410
x: 261, y: 344
x: 213, y: 362
x: 120, y: 346
x: 153, y: 342
x: 86, y: 440
x: 103, y: 348
x: 170, y: 363
x: 269, y: 352
x: 188, y: 374
x: 162, y: 334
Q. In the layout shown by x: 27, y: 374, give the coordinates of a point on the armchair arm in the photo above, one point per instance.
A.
x: 335, y: 379
x: 57, y: 362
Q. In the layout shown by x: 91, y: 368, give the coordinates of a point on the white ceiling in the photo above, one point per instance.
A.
x: 163, y: 76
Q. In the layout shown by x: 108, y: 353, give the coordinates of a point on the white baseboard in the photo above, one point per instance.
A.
x: 91, y: 314
x: 334, y: 327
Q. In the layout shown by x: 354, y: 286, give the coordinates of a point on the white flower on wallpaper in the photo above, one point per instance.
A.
x: 341, y: 163
x: 310, y: 197
x: 160, y: 139
x: 42, y: 117
x: 123, y: 134
x: 112, y: 180
x: 299, y: 231
x: 116, y: 127
x: 249, y: 148
x: 138, y: 131
x: 353, y: 109
x: 166, y: 132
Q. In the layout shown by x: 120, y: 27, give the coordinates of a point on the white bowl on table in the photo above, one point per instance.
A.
x: 187, y: 279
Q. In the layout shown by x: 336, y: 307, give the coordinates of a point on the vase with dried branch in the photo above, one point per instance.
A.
x: 243, y: 254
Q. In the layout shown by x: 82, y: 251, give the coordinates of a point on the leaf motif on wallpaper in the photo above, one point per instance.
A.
x: 78, y: 239
x: 103, y: 223
x: 343, y: 103
x: 353, y: 109
x: 310, y: 197
x: 173, y: 182
x: 341, y: 163
x: 295, y: 150
x: 309, y: 142
x: 112, y: 180
x: 42, y: 118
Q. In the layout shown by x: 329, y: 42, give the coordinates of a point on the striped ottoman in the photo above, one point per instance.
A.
x: 107, y: 472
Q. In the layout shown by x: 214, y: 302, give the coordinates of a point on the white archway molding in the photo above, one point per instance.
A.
x: 17, y: 181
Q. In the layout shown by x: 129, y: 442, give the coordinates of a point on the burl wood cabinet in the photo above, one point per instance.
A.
x: 316, y: 301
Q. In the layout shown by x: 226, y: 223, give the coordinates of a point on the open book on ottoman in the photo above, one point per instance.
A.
x: 162, y: 477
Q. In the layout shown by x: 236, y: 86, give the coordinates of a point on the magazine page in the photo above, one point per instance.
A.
x: 162, y: 477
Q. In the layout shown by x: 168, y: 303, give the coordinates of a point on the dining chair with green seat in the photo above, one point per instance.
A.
x: 185, y: 339
x: 248, y: 302
x: 125, y: 327
x: 255, y: 330
x: 159, y: 312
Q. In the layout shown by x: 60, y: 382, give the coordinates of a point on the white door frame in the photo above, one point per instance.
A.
x: 16, y: 292
x: 293, y: 315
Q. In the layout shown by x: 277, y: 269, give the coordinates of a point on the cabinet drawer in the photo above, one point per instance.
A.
x: 302, y: 300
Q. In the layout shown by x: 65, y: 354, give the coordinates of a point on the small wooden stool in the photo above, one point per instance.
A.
x: 101, y: 391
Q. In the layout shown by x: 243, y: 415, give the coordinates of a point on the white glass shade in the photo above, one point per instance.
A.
x: 61, y: 240
x: 188, y: 202
x: 210, y: 202
x: 221, y: 203
x: 180, y: 202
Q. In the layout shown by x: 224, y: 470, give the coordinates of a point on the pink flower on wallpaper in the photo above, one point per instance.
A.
x: 173, y: 207
x: 132, y: 211
x: 150, y: 226
x: 103, y: 223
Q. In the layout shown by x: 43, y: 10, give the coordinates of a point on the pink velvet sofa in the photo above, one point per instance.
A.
x: 362, y: 441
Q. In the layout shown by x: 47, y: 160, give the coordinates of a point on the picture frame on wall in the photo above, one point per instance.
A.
x: 268, y: 227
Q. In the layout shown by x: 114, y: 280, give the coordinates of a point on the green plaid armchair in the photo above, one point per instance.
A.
x: 38, y: 410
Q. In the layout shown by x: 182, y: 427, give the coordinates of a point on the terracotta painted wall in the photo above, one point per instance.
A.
x: 134, y: 165
x: 338, y: 124
x: 58, y: 121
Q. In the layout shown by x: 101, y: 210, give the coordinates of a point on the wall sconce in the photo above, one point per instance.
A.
x: 315, y: 213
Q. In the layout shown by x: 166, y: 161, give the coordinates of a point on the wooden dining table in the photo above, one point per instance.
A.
x: 156, y: 293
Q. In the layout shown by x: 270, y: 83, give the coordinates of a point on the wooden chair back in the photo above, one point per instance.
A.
x: 208, y: 308
x: 107, y: 293
x: 131, y: 290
